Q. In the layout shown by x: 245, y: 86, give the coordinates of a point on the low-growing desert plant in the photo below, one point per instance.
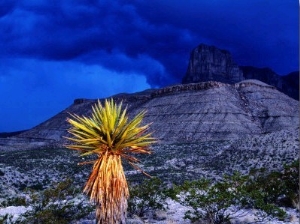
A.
x: 14, y: 201
x: 290, y: 176
x: 53, y: 205
x: 212, y: 202
x: 276, y: 187
x: 61, y: 213
x: 61, y: 191
x: 221, y: 201
x: 150, y: 195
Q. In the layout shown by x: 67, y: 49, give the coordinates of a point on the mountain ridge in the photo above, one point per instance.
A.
x: 185, y: 113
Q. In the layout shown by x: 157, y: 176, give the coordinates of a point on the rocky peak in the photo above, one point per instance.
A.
x: 208, y: 63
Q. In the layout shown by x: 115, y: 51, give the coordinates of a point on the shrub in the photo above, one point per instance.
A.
x: 149, y: 195
x: 51, y: 206
x: 276, y: 187
x: 14, y: 201
x: 211, y: 202
x: 222, y: 201
x: 57, y: 214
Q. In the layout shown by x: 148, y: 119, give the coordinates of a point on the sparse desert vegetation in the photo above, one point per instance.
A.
x: 28, y: 175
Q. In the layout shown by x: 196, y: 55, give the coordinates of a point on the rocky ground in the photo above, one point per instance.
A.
x: 25, y: 171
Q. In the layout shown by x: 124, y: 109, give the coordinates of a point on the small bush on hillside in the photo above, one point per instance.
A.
x: 14, y: 201
x: 147, y: 196
x: 53, y: 205
x: 281, y: 188
x: 212, y: 202
x: 222, y: 201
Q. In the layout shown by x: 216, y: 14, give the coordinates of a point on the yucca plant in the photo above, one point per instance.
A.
x: 110, y: 135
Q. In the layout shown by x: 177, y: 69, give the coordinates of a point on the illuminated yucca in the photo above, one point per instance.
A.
x: 110, y: 135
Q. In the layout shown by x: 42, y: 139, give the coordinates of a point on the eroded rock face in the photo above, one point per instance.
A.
x: 208, y: 63
x: 196, y: 112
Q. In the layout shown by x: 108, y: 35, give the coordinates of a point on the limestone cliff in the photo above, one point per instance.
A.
x: 208, y: 63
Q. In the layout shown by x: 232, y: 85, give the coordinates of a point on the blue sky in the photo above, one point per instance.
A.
x: 55, y: 51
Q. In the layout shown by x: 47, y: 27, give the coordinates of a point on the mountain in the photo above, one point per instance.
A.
x: 217, y: 101
x: 186, y: 113
x: 211, y: 63
x: 208, y: 63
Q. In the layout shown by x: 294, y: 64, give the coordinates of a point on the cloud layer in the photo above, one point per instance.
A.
x: 55, y: 51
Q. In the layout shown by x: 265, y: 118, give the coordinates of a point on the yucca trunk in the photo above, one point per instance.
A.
x: 108, y: 189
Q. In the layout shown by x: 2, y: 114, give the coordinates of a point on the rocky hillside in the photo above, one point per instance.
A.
x: 209, y: 63
x: 199, y: 112
x: 288, y: 84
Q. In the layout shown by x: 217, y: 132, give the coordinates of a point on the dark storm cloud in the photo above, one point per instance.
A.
x: 259, y: 33
x: 66, y: 31
x: 255, y: 31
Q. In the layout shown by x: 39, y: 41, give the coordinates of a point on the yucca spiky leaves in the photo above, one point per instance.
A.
x: 110, y: 135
